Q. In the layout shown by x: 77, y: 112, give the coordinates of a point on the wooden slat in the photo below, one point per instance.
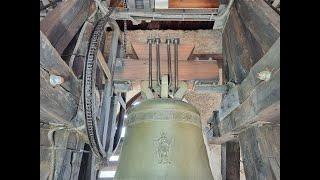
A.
x: 188, y: 70
x: 142, y: 51
x: 64, y: 21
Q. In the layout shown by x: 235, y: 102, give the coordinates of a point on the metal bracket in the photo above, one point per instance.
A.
x: 164, y: 86
x: 183, y: 87
x: 146, y: 90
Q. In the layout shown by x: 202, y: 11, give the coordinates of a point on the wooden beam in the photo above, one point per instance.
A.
x: 217, y: 56
x: 142, y: 51
x: 223, y: 139
x: 260, y: 148
x: 51, y: 61
x: 103, y: 64
x: 261, y: 20
x: 270, y: 61
x: 188, y: 70
x: 240, y: 49
x: 257, y: 101
x: 64, y: 21
x: 57, y: 105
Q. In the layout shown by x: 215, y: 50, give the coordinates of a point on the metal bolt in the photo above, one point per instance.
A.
x: 264, y: 75
x: 56, y: 80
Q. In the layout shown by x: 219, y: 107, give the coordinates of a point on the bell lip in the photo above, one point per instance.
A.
x: 152, y: 103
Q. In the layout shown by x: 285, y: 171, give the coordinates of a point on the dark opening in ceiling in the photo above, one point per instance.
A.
x: 165, y: 25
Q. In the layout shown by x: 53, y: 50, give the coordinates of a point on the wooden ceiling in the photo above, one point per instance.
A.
x: 180, y: 4
x: 194, y: 3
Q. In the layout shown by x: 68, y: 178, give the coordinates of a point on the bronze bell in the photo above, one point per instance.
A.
x: 163, y: 141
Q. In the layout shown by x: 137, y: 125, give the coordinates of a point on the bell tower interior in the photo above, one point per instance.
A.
x: 159, y: 89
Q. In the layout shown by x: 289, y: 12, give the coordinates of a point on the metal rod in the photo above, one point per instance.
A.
x: 176, y: 41
x: 168, y: 41
x: 149, y: 41
x: 157, y: 41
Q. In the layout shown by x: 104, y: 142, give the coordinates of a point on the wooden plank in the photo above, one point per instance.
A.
x: 188, y: 70
x: 260, y: 148
x: 142, y: 51
x: 64, y: 21
x: 51, y: 61
x: 57, y: 105
x: 261, y: 20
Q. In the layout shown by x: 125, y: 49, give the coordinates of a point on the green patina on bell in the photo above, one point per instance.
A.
x: 164, y: 141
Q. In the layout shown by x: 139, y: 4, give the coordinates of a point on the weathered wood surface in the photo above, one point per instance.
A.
x: 229, y: 102
x: 230, y: 161
x: 250, y: 31
x: 188, y: 70
x: 51, y: 61
x: 270, y: 61
x: 142, y: 51
x: 57, y: 105
x: 239, y: 48
x: 64, y: 21
x: 64, y: 158
x: 103, y: 64
x: 260, y: 148
x: 261, y: 20
x: 258, y: 101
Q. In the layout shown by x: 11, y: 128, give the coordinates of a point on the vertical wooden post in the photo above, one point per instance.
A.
x: 223, y: 161
x: 230, y: 161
